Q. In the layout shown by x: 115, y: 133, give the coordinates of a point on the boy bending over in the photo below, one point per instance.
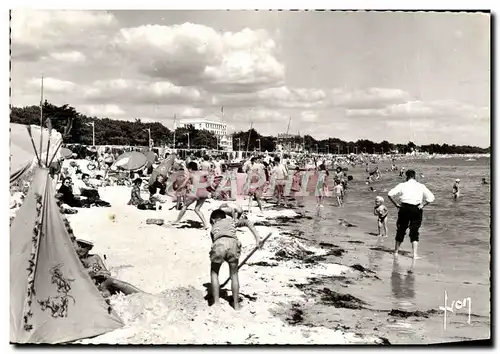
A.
x: 227, y: 248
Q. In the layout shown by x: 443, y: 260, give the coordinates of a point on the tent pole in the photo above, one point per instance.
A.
x: 55, y: 153
x: 49, y: 125
x: 41, y: 124
x: 33, y: 143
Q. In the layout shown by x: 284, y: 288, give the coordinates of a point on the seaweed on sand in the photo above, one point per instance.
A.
x: 331, y: 297
x: 417, y: 313
x: 297, y: 315
x: 336, y: 252
x: 263, y: 264
x: 327, y: 244
x: 362, y: 269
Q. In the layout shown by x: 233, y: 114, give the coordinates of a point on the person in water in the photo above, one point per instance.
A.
x: 381, y: 211
x: 338, y: 189
x: 456, y: 189
x: 413, y: 197
x: 484, y: 181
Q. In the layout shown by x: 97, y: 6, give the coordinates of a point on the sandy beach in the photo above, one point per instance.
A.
x: 171, y: 265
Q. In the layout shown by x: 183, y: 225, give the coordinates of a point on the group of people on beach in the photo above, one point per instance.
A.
x: 265, y: 174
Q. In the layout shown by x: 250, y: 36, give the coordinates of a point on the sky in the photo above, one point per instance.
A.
x: 396, y: 76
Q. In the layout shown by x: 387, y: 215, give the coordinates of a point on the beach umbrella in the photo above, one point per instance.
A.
x: 131, y: 161
x: 66, y: 153
x: 151, y: 156
x: 163, y: 169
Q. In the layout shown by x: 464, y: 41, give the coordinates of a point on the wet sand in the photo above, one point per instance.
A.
x: 358, y: 300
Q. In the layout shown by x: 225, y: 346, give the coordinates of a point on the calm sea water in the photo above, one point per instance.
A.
x: 454, y: 241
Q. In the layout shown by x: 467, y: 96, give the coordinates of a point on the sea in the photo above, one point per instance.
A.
x: 455, y: 245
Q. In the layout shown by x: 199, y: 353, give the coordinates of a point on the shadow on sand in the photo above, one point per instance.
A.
x: 224, y: 295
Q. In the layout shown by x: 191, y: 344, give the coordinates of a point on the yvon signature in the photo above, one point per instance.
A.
x: 455, y: 305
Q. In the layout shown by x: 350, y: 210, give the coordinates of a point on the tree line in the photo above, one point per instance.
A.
x: 76, y: 129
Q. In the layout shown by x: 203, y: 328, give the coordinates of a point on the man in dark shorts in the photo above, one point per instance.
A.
x: 413, y: 197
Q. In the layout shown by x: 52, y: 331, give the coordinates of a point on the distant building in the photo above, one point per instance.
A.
x: 213, y: 124
x: 290, y: 142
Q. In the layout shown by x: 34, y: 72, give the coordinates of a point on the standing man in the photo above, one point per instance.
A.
x: 413, y: 197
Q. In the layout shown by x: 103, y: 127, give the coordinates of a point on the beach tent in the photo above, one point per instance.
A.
x: 22, y: 154
x: 52, y: 298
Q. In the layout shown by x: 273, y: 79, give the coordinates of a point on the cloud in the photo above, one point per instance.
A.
x: 69, y: 57
x: 141, y: 92
x: 373, y: 97
x: 51, y: 85
x: 259, y: 115
x: 37, y: 33
x: 189, y: 54
x: 104, y: 110
x: 191, y: 112
x: 444, y: 110
x: 276, y: 97
x: 308, y: 117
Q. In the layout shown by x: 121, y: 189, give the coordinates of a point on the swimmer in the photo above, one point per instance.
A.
x: 484, y: 181
x: 381, y: 211
x: 456, y: 189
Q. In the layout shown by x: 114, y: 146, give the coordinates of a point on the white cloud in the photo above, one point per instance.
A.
x: 191, y: 112
x: 276, y: 97
x: 308, y: 117
x: 140, y: 92
x: 102, y: 111
x: 52, y: 85
x: 373, y: 97
x: 37, y: 33
x: 190, y: 54
x: 451, y: 110
x: 70, y: 57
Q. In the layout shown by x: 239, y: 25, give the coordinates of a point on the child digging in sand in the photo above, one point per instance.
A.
x: 381, y: 211
x: 232, y: 210
x: 227, y: 248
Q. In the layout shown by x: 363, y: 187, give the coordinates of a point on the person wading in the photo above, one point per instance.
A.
x: 413, y: 197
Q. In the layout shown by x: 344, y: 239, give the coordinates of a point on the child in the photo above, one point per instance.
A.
x: 296, y: 186
x: 381, y: 211
x: 227, y: 248
x: 233, y: 210
x: 456, y: 189
x: 199, y: 195
x: 339, y: 192
x: 322, y: 187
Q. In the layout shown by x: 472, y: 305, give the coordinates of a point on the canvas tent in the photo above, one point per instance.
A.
x: 52, y: 298
x: 22, y: 153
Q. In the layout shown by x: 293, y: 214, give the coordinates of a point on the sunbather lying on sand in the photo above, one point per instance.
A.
x: 102, y: 278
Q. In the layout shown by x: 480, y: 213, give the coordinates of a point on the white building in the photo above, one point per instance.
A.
x: 213, y: 124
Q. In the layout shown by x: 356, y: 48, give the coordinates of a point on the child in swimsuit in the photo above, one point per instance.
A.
x: 381, y: 211
x: 339, y: 192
